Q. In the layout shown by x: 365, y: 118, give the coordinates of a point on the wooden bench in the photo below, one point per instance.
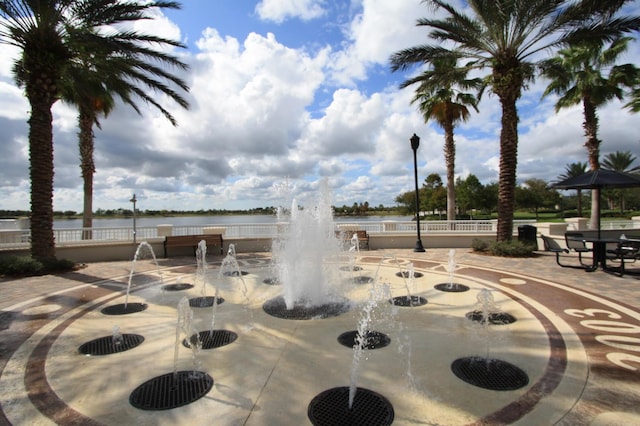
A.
x: 347, y: 234
x: 192, y: 241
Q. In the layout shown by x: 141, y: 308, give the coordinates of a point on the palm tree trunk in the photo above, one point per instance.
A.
x: 590, y: 126
x: 86, y: 119
x: 41, y: 175
x: 508, y: 163
x: 450, y: 160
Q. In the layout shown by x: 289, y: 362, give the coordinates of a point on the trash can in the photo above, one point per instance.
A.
x: 529, y: 235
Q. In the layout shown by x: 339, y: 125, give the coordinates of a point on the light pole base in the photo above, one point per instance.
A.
x: 419, y: 248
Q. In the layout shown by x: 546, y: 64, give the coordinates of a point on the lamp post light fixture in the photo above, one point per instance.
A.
x: 133, y: 200
x: 415, y: 143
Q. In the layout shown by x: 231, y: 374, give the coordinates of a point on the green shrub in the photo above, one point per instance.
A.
x: 479, y: 245
x: 512, y: 248
x: 20, y: 266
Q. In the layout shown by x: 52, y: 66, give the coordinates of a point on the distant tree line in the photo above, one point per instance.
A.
x: 474, y: 200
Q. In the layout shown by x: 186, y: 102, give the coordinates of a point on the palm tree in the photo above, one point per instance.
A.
x: 573, y: 170
x: 506, y: 37
x: 577, y: 76
x: 620, y: 162
x: 51, y: 35
x: 440, y: 97
x: 121, y: 69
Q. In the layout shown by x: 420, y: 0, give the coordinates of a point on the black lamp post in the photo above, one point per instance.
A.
x: 133, y: 200
x: 415, y: 143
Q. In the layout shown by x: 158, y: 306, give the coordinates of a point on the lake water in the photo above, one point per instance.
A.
x: 143, y: 222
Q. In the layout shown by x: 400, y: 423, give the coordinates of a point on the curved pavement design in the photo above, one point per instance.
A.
x: 577, y: 337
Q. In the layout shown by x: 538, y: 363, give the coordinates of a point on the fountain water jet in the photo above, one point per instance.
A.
x: 307, y: 252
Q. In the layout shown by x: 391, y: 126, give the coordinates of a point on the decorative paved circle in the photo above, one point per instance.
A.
x: 513, y: 281
x: 41, y: 309
x: 331, y: 408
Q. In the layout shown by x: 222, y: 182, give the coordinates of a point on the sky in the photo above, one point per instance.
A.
x: 285, y: 94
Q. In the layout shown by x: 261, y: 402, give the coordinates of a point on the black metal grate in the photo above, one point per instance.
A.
x: 277, y: 307
x: 109, y: 345
x: 123, y: 309
x: 331, y: 408
x: 171, y: 390
x: 489, y: 373
x: 405, y: 274
x: 350, y: 268
x: 408, y: 301
x: 451, y: 287
x: 495, y: 318
x: 372, y: 339
x: 212, y: 339
x: 234, y: 273
x: 271, y: 281
x: 204, y: 302
x: 177, y: 287
x: 362, y: 279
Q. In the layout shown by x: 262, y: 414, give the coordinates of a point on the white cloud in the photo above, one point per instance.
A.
x: 281, y: 10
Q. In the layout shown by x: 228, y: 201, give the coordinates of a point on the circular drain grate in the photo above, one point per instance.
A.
x: 271, y: 281
x: 177, y: 287
x: 451, y: 287
x: 350, y: 268
x: 235, y: 273
x: 212, y: 339
x: 495, y: 318
x: 408, y: 301
x: 362, y: 279
x: 372, y: 339
x: 277, y: 307
x: 491, y: 374
x: 331, y: 408
x: 123, y: 309
x: 108, y: 345
x: 405, y: 274
x: 171, y: 390
x: 204, y: 302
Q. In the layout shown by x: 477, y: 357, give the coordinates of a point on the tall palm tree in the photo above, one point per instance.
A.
x: 573, y: 170
x: 621, y: 162
x: 440, y: 97
x: 122, y: 70
x: 577, y: 76
x: 505, y: 37
x: 51, y: 35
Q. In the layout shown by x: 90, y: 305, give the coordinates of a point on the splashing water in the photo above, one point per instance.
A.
x: 201, y: 266
x: 451, y: 266
x: 185, y: 326
x: 136, y: 257
x: 486, y: 304
x: 365, y: 324
x: 303, y: 250
x: 116, y: 339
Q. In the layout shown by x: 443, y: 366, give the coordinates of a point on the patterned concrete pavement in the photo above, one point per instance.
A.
x: 591, y: 321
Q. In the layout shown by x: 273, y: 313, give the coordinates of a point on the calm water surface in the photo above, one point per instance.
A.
x: 203, y: 220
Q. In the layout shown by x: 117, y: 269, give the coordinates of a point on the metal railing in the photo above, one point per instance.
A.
x: 10, y: 238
